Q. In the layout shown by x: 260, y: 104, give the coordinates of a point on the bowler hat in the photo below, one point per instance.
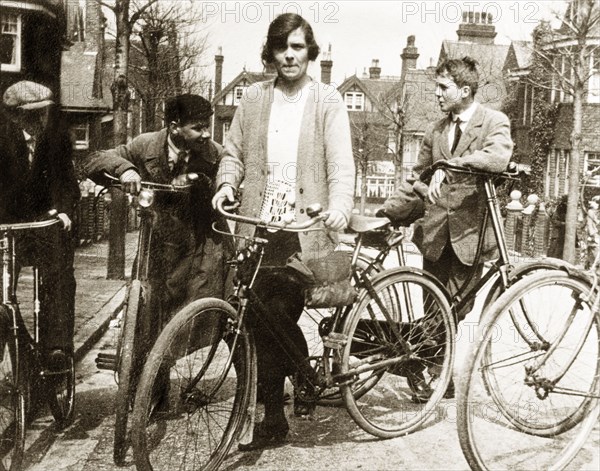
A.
x: 187, y: 107
x: 27, y: 95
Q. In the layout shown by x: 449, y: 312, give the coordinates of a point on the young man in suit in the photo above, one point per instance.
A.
x: 38, y: 176
x: 474, y: 136
x: 186, y: 261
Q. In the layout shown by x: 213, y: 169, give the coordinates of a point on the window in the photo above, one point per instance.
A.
x: 238, y: 92
x: 226, y: 126
x: 10, y: 43
x: 81, y: 136
x: 355, y: 100
x: 592, y: 165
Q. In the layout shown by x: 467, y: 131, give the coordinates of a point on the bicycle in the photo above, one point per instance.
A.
x: 197, y: 393
x: 541, y: 380
x: 501, y: 274
x: 22, y: 370
x: 135, y: 331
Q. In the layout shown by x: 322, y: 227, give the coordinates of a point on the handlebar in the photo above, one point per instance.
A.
x: 290, y: 227
x: 513, y: 171
x: 49, y: 220
x: 191, y: 177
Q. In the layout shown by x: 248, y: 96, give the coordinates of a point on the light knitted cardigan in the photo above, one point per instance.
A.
x: 325, y: 165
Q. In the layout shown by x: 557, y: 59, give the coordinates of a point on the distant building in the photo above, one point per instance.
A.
x: 517, y: 67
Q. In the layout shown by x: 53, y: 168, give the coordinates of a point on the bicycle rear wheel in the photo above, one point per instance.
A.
x: 61, y: 394
x: 128, y: 353
x: 512, y: 389
x: 12, y: 405
x: 389, y: 361
x: 194, y: 390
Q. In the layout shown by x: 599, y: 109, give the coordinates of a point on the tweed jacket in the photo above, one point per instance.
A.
x: 325, y: 165
x: 486, y: 145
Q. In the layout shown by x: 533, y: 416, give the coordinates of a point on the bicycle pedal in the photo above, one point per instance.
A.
x: 335, y: 340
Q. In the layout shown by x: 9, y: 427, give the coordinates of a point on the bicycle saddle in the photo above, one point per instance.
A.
x: 366, y: 223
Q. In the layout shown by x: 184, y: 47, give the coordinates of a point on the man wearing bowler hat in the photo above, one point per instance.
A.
x: 37, y: 176
x: 186, y: 261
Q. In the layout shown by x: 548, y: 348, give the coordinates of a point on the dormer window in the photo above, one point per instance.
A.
x: 10, y: 42
x: 238, y: 92
x: 354, y: 100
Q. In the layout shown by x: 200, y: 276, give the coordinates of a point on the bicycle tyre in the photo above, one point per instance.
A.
x: 126, y: 353
x: 13, y: 384
x: 61, y: 395
x: 386, y: 409
x: 160, y: 431
x: 519, y: 424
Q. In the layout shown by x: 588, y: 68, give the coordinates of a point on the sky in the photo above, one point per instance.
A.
x: 358, y: 31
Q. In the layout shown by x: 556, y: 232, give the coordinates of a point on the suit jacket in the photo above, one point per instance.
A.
x: 486, y: 145
x: 27, y: 191
x: 325, y: 165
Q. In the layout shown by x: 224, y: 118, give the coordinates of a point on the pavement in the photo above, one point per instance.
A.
x: 97, y: 299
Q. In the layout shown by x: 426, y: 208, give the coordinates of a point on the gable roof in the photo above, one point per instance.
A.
x: 377, y: 91
x: 245, y: 77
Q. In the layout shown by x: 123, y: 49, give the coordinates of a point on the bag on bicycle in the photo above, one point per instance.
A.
x: 328, y: 280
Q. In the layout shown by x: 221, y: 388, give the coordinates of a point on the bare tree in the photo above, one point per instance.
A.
x: 566, y: 55
x: 169, y: 47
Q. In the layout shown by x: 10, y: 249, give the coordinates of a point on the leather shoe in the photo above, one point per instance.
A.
x: 57, y: 361
x: 421, y: 391
x: 266, y: 436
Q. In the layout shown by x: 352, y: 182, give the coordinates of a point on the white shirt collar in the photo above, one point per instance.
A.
x: 466, y: 115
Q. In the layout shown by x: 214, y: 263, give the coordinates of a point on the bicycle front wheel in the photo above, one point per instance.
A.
x: 194, y: 390
x: 128, y: 353
x: 399, y: 353
x: 533, y: 380
x: 12, y: 405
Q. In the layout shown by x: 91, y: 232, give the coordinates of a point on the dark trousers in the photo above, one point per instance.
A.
x: 453, y: 274
x: 52, y: 251
x: 281, y: 293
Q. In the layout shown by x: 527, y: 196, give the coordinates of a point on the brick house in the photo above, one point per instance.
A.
x: 557, y: 166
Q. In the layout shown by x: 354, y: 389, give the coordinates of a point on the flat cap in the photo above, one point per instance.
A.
x: 27, y: 95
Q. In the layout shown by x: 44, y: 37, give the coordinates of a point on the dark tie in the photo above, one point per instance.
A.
x: 181, y: 165
x: 457, y: 134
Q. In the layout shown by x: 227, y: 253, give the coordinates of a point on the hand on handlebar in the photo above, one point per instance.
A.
x: 66, y: 221
x: 226, y: 192
x: 335, y: 220
x: 131, y: 182
x: 435, y: 185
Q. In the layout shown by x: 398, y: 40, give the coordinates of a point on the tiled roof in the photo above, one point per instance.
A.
x: 421, y: 108
x: 523, y: 51
x: 78, y: 69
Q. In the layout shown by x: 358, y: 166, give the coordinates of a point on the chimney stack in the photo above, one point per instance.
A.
x: 94, y: 26
x: 326, y: 66
x: 219, y: 70
x: 476, y: 27
x: 375, y: 70
x: 409, y: 57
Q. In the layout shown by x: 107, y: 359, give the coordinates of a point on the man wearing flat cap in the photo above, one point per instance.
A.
x: 38, y: 176
x: 186, y: 256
